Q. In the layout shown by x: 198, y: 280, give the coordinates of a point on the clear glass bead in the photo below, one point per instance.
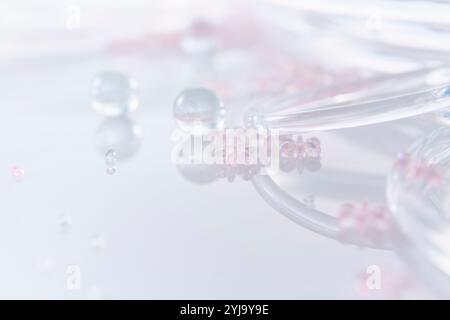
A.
x: 114, y: 94
x: 199, y: 111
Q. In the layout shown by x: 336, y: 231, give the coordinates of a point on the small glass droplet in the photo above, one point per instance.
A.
x: 199, y: 111
x: 313, y: 148
x: 111, y: 161
x: 289, y: 149
x: 287, y: 164
x: 110, y: 158
x: 313, y: 164
x: 114, y: 94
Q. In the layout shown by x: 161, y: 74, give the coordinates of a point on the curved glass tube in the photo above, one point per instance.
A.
x: 407, y: 28
x: 399, y: 97
x: 418, y: 192
x: 309, y: 218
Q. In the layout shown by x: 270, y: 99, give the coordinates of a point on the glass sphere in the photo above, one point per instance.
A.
x: 199, y: 111
x: 114, y: 94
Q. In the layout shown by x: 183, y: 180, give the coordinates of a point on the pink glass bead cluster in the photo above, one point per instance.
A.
x: 365, y: 219
x: 417, y: 171
x: 293, y: 146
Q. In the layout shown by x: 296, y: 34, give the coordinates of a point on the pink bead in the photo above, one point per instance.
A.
x: 381, y: 219
x: 419, y: 171
x: 288, y: 149
x: 364, y: 219
x: 403, y: 162
x: 347, y: 210
x: 312, y: 146
x: 435, y: 176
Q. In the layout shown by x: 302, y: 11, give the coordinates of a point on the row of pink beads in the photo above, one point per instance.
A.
x: 365, y: 218
x: 417, y: 170
x: 291, y: 147
x: 294, y: 147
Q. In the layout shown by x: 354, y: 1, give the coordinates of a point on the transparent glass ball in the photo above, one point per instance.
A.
x: 199, y: 111
x: 114, y: 94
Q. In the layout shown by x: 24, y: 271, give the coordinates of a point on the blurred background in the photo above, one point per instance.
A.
x: 155, y: 230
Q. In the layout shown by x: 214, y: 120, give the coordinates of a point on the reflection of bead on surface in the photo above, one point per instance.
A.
x: 245, y: 171
x: 199, y: 111
x: 111, y: 161
x: 114, y: 94
x: 289, y: 149
x: 111, y: 170
x: 121, y: 135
